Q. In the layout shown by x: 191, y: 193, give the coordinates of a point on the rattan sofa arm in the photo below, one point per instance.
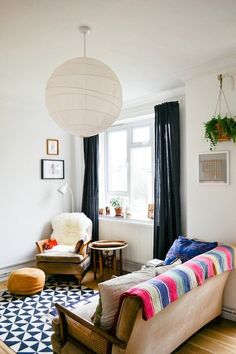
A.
x: 63, y: 312
x: 40, y: 244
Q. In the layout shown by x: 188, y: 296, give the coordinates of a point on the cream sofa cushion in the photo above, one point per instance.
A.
x: 69, y: 228
x: 61, y: 248
x: 165, y: 268
x: 110, y: 292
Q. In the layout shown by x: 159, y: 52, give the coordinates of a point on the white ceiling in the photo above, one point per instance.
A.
x: 148, y: 43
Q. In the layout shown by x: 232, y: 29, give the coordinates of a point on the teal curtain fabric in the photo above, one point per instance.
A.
x: 167, y: 213
x: 90, y: 188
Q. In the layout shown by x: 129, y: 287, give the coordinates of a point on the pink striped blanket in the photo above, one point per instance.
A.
x: 156, y: 293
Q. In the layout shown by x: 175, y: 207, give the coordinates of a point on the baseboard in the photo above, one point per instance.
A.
x: 128, y: 266
x: 229, y: 314
x: 4, y: 272
x: 131, y: 266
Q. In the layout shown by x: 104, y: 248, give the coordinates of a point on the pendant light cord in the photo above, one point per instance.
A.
x: 85, y: 44
x: 84, y: 30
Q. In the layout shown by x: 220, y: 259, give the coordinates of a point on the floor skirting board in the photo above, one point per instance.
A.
x: 229, y: 314
x: 4, y: 272
x: 131, y: 266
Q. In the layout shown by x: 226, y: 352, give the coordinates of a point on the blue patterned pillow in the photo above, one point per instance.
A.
x: 185, y: 249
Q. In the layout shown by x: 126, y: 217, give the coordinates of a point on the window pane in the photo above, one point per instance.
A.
x: 140, y: 134
x: 117, y: 160
x: 141, y: 180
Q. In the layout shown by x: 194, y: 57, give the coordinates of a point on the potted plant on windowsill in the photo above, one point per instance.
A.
x: 117, y: 204
x: 219, y: 129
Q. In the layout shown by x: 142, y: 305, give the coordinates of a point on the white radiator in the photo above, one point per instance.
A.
x: 138, y: 235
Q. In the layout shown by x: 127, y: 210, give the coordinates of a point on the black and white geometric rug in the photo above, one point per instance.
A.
x: 25, y: 321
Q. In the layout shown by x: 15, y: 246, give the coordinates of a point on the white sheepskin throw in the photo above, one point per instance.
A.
x: 69, y: 228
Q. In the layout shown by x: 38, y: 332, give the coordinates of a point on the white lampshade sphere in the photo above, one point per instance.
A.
x: 84, y: 96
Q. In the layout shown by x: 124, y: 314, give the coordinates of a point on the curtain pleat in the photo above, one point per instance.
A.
x: 167, y: 213
x: 90, y: 188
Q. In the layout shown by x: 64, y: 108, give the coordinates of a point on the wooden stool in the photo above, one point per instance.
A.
x: 26, y: 281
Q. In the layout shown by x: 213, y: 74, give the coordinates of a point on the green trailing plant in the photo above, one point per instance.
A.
x: 217, y: 126
x: 116, y: 202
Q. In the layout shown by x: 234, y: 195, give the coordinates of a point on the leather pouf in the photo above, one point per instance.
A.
x: 26, y: 281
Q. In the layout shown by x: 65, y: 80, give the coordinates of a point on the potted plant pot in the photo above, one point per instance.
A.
x: 119, y: 211
x: 222, y: 135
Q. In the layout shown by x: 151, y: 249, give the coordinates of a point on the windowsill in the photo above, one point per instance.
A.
x: 126, y: 220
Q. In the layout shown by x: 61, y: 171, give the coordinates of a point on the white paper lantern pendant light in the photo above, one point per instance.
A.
x: 84, y: 95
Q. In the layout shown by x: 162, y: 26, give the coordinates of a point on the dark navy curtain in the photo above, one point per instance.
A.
x: 90, y: 188
x: 167, y: 214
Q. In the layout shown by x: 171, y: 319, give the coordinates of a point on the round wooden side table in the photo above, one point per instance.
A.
x: 104, y: 247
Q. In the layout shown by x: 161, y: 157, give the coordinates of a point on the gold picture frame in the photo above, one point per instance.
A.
x: 151, y: 211
x: 52, y: 147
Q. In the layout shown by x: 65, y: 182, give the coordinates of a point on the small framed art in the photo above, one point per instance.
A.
x: 151, y: 211
x: 52, y: 147
x: 214, y: 167
x: 52, y: 169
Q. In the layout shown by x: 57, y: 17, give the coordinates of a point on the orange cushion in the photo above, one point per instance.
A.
x: 50, y: 244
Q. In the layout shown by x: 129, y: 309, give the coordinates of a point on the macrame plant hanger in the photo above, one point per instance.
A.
x: 218, y: 104
x: 222, y: 135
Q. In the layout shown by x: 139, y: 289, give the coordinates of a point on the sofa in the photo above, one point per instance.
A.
x: 75, y: 331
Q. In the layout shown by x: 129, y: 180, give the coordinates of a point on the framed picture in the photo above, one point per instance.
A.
x: 214, y: 167
x: 52, y: 146
x: 52, y: 169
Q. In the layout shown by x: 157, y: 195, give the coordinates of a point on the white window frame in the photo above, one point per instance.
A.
x: 128, y: 127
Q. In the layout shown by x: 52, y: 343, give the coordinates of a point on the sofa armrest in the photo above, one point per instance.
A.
x: 40, y: 244
x: 129, y: 309
x: 84, y: 334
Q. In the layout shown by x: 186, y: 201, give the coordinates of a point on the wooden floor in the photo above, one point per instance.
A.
x: 218, y: 337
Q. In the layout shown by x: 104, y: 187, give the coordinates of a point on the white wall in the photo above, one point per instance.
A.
x: 210, y: 208
x: 27, y: 203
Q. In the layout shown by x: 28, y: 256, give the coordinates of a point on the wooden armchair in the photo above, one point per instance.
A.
x: 62, y: 258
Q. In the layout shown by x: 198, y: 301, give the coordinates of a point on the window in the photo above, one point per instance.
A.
x: 126, y: 166
x: 117, y: 161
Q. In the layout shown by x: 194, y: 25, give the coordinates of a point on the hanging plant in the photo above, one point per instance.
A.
x: 220, y: 128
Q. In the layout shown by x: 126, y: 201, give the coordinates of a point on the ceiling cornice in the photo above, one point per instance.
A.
x: 225, y: 63
x: 142, y: 106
